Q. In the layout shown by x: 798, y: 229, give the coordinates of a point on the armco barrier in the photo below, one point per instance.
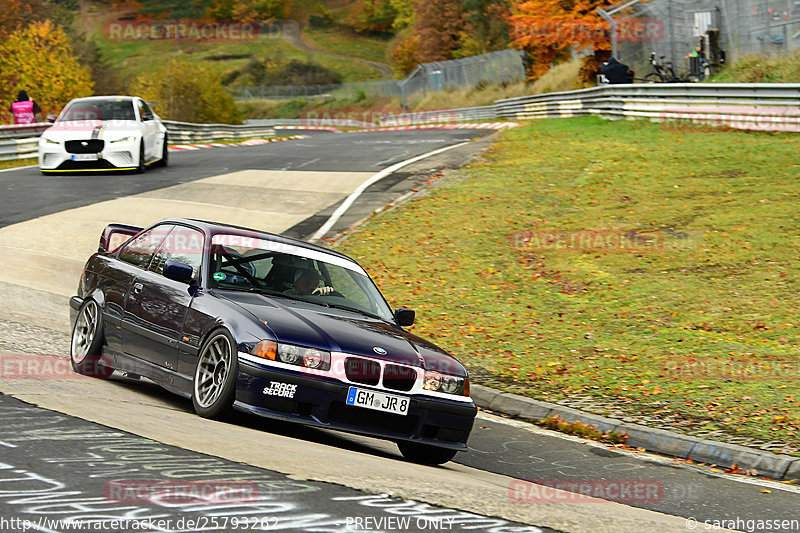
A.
x: 756, y: 106
x: 18, y: 142
x: 188, y: 132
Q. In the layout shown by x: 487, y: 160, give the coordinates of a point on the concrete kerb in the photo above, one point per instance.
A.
x: 722, y: 454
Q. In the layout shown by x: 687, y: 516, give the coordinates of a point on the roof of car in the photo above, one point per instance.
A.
x: 112, y: 97
x: 218, y: 227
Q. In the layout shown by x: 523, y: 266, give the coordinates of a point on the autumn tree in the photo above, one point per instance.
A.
x: 549, y: 29
x: 189, y: 92
x: 437, y: 32
x: 40, y: 59
x: 448, y: 29
x: 18, y: 14
x: 374, y: 16
x: 249, y: 10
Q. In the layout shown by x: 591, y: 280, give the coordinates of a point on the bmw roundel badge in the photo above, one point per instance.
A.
x: 378, y: 350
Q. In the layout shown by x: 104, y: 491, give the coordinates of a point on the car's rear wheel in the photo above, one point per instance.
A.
x: 425, y: 454
x: 164, y: 153
x: 141, y: 168
x: 215, y: 375
x: 87, y: 342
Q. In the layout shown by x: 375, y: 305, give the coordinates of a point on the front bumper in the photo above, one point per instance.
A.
x: 58, y: 160
x: 321, y: 402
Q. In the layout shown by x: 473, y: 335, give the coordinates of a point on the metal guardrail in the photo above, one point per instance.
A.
x: 188, y: 132
x: 753, y: 106
x: 756, y: 106
x: 20, y: 142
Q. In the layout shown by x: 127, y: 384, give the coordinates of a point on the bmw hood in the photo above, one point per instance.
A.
x: 336, y: 330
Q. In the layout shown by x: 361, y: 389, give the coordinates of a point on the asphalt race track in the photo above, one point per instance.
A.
x: 57, y: 459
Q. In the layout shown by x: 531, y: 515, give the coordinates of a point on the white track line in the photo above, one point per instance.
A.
x: 342, y: 209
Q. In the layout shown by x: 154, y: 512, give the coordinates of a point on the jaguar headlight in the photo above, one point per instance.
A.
x: 45, y: 140
x: 438, y: 382
x: 122, y: 140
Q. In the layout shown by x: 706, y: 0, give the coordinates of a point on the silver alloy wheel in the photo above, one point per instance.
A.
x: 85, y: 331
x: 213, y: 367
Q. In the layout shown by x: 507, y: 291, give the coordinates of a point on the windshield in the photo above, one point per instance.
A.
x: 86, y: 110
x: 277, y: 269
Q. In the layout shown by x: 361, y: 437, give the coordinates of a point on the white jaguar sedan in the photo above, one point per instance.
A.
x: 104, y: 133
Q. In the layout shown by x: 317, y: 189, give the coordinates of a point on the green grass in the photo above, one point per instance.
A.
x: 715, y: 280
x: 344, y: 41
x: 131, y: 59
x: 14, y: 163
x: 783, y: 68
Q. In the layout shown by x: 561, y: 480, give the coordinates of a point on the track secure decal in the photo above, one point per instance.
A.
x: 284, y: 390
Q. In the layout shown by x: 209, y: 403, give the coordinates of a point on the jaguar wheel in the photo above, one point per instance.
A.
x: 141, y: 168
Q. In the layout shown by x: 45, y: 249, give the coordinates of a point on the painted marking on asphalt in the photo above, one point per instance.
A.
x: 18, y: 168
x: 342, y: 209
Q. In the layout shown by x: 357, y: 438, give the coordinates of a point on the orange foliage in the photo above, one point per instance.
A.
x: 548, y: 29
x: 40, y: 60
x: 16, y: 14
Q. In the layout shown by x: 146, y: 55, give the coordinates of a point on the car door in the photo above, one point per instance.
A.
x: 150, y: 133
x: 156, y: 306
x: 131, y: 260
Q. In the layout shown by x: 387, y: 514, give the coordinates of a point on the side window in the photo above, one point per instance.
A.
x: 144, y: 112
x: 184, y: 245
x: 140, y: 250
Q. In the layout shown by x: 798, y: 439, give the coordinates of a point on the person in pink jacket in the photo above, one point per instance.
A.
x: 24, y: 109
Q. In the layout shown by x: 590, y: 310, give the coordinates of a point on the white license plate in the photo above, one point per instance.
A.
x: 84, y: 157
x: 378, y: 401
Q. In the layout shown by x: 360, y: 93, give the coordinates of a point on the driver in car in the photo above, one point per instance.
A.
x: 306, y: 281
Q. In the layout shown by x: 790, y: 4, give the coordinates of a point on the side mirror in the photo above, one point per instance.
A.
x: 404, y: 317
x: 115, y: 235
x: 50, y: 118
x: 177, y: 271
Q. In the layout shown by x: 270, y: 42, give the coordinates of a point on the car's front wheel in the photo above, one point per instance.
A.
x: 87, y: 341
x: 425, y: 454
x: 215, y: 375
x: 141, y: 168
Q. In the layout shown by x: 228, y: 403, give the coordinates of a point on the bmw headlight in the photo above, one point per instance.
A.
x: 293, y: 355
x: 438, y: 382
x: 123, y: 140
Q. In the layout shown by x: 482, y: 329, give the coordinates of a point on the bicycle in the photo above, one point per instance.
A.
x: 661, y: 72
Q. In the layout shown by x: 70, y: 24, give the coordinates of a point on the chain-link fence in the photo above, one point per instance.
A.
x: 494, y: 67
x: 674, y: 28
